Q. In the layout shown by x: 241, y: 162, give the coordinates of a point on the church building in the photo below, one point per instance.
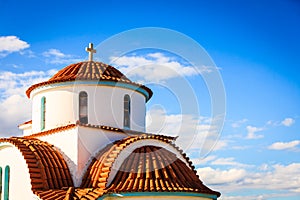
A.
x: 87, y: 140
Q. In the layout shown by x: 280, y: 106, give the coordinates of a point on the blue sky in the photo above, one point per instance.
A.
x: 255, y: 44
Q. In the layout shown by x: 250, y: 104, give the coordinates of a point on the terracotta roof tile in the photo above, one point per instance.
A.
x: 147, y: 169
x: 88, y: 71
x: 107, y: 128
x: 47, y: 167
x: 27, y: 122
x: 51, y: 131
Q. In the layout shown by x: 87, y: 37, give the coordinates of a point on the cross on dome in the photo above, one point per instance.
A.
x: 91, y: 51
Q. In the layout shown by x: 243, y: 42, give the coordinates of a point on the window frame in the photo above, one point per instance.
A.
x: 1, y: 183
x: 6, y: 183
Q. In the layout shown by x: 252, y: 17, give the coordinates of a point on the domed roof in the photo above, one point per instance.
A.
x: 149, y: 168
x: 89, y: 71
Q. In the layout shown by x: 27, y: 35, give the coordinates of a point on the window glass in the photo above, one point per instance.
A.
x: 126, y: 111
x: 83, y: 107
x: 43, y: 113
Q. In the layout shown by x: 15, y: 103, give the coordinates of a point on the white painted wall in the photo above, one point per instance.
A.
x: 90, y: 142
x: 105, y: 106
x: 27, y: 129
x: 79, y: 145
x: 59, y: 108
x: 19, y: 183
x: 66, y: 142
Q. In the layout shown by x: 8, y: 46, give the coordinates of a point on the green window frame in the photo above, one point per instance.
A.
x: 43, y: 113
x: 1, y: 183
x: 6, y: 182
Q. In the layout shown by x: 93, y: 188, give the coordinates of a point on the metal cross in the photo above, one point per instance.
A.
x: 91, y: 51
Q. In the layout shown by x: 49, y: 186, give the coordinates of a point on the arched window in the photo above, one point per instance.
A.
x: 0, y: 183
x: 6, y: 183
x: 43, y: 113
x: 83, y: 107
x: 126, y: 111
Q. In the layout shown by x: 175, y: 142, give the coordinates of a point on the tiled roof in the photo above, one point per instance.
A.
x: 27, y: 122
x: 107, y: 128
x: 154, y: 169
x: 47, y: 168
x: 51, y: 131
x: 88, y: 71
x: 147, y: 169
x: 71, y: 193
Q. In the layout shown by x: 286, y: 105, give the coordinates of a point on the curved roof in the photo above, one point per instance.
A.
x: 147, y: 169
x: 47, y: 168
x: 89, y: 71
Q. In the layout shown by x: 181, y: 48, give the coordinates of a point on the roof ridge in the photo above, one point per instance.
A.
x: 103, y: 127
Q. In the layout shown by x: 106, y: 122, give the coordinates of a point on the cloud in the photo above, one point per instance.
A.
x: 274, y: 178
x: 13, y: 102
x: 195, y: 133
x: 238, y: 123
x: 284, y: 145
x: 156, y: 67
x: 55, y: 56
x: 217, y: 176
x: 288, y: 122
x: 9, y: 44
x: 202, y: 161
x: 228, y: 161
x: 251, y: 130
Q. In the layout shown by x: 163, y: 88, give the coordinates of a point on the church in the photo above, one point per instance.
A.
x: 87, y: 140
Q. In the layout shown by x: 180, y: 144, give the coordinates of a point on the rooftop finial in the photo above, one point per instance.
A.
x: 91, y: 51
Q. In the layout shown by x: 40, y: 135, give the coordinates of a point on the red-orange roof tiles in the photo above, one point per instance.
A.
x: 88, y: 71
x: 147, y: 169
x: 107, y: 128
x: 51, y: 131
x: 47, y: 168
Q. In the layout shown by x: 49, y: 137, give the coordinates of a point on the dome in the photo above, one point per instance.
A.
x: 89, y: 71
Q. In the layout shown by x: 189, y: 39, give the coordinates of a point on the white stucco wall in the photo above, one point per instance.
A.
x: 19, y: 183
x: 90, y: 142
x: 78, y: 146
x: 66, y: 142
x: 105, y: 106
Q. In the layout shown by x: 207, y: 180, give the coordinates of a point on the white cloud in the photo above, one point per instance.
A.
x: 202, y: 161
x: 13, y: 102
x: 238, y: 123
x: 251, y: 132
x: 228, y: 161
x: 156, y: 67
x: 194, y: 132
x: 217, y: 176
x: 284, y: 145
x: 275, y: 177
x: 55, y: 56
x: 288, y: 122
x: 9, y: 44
